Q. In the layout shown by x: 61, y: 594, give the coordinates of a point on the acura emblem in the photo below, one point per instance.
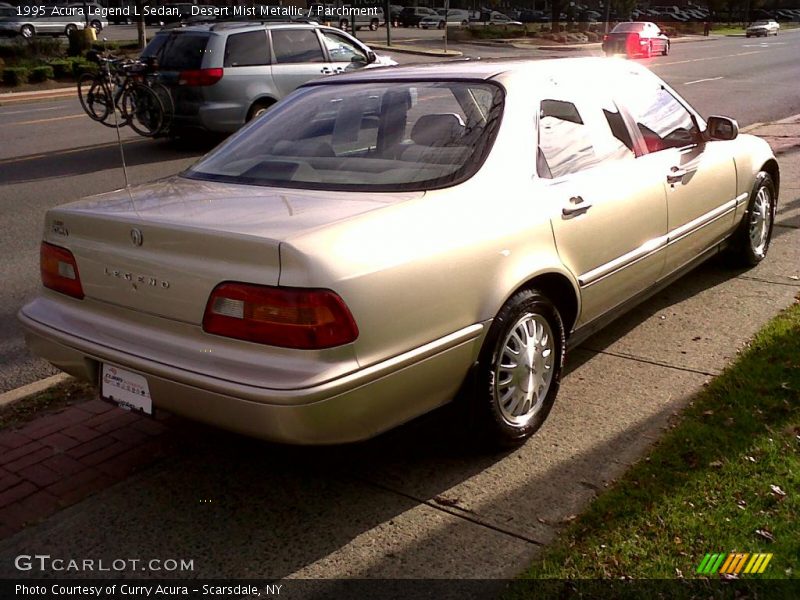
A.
x: 136, y: 237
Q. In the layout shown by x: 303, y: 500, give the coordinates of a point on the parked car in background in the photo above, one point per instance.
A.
x: 762, y: 28
x: 345, y: 263
x: 94, y: 14
x: 638, y: 38
x: 43, y: 23
x: 453, y: 18
x: 496, y: 18
x: 411, y: 16
x: 371, y: 22
x: 224, y: 74
x: 168, y: 13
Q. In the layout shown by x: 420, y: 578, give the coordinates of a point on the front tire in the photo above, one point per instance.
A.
x: 27, y: 31
x: 373, y: 25
x: 519, y: 369
x: 750, y: 243
x: 70, y: 28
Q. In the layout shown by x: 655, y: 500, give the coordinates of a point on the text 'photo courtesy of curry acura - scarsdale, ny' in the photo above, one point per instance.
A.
x: 449, y: 299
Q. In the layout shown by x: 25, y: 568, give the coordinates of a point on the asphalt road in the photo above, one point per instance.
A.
x: 50, y: 153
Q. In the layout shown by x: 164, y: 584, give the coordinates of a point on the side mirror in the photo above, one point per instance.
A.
x: 721, y: 128
x: 371, y: 57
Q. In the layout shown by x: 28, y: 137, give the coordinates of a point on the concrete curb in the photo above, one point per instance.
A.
x: 20, y: 97
x: 419, y: 52
x: 32, y: 388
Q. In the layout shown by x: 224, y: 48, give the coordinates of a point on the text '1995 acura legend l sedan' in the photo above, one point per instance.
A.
x: 382, y: 242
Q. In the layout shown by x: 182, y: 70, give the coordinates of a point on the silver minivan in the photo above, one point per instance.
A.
x: 222, y: 75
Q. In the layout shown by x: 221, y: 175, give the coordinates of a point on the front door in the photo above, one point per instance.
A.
x: 610, y: 221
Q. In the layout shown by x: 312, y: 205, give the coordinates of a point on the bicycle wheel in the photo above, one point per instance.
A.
x: 167, y: 103
x: 142, y: 110
x: 94, y: 96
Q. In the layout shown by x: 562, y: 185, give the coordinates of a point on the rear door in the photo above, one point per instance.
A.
x: 610, y: 217
x: 247, y: 72
x: 297, y: 58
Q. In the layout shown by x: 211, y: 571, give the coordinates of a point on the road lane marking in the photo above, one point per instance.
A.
x: 691, y: 60
x: 6, y: 161
x: 45, y: 120
x: 30, y: 110
x: 702, y: 80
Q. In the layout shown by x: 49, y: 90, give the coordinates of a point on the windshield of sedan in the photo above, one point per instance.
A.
x: 383, y: 136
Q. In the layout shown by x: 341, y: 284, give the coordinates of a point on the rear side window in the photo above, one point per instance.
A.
x: 296, y: 46
x: 178, y: 51
x: 247, y: 49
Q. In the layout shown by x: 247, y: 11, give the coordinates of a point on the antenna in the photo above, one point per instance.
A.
x: 116, y: 123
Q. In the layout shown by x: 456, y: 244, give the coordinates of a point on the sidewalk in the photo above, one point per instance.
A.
x: 410, y: 504
x: 17, y: 97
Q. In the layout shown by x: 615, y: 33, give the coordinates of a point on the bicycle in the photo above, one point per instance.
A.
x: 127, y: 90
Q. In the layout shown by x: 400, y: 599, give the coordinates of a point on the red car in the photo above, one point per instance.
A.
x: 636, y: 39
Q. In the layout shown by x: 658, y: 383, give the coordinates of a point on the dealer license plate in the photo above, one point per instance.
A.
x: 129, y: 390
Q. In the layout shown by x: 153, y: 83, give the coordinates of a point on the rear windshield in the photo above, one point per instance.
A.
x: 385, y: 136
x: 628, y: 27
x: 178, y: 51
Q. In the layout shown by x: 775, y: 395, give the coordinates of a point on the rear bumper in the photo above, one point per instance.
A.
x: 350, y: 408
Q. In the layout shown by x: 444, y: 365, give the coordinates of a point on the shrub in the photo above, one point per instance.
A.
x: 42, y: 73
x: 79, y: 67
x: 61, y: 68
x: 15, y: 75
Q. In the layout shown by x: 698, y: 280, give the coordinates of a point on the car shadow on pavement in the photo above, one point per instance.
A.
x: 93, y: 159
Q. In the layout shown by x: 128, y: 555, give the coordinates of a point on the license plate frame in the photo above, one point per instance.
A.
x: 126, y: 389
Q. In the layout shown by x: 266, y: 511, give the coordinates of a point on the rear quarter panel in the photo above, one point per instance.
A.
x: 751, y: 154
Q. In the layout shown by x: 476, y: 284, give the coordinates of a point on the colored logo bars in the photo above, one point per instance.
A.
x: 733, y: 563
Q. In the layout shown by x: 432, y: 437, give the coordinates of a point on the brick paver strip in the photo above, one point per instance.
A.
x: 61, y: 458
x: 29, y: 459
x: 59, y: 442
x: 40, y: 475
x: 8, y: 479
x: 82, y: 433
x: 21, y: 451
x: 15, y: 494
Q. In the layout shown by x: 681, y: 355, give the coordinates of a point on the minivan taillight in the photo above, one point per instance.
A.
x: 59, y: 270
x: 199, y: 77
x: 286, y: 317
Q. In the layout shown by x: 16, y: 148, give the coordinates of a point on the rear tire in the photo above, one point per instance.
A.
x: 343, y: 24
x: 143, y: 110
x: 666, y: 49
x: 258, y: 109
x: 27, y: 31
x: 69, y: 29
x: 96, y: 25
x: 750, y: 243
x: 519, y: 369
x: 373, y: 25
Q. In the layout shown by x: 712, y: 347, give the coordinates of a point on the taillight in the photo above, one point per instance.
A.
x: 59, y: 270
x: 199, y: 77
x: 287, y: 317
x: 633, y: 42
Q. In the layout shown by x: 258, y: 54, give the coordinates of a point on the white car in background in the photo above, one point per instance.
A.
x: 454, y: 18
x: 765, y: 28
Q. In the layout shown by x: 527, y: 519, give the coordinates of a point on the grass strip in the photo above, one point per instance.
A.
x: 725, y: 478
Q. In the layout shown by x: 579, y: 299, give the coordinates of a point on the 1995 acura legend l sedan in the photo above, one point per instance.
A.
x: 381, y: 240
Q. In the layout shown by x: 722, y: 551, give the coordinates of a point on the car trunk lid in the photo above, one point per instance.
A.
x: 164, y: 247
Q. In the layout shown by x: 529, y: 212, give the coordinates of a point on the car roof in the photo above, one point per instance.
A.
x: 473, y: 70
x: 223, y: 26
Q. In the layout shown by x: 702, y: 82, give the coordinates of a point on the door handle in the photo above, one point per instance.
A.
x: 577, y: 206
x: 325, y: 70
x: 676, y: 175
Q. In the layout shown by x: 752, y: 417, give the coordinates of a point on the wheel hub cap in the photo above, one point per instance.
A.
x: 525, y: 369
x: 760, y: 221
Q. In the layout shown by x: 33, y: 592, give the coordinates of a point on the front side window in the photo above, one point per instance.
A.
x: 246, y: 49
x: 340, y: 49
x: 296, y: 46
x: 661, y: 119
x: 388, y: 136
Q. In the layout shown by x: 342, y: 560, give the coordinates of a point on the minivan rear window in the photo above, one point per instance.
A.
x: 177, y: 51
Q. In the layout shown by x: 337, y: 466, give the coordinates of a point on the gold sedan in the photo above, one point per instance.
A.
x: 380, y: 242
